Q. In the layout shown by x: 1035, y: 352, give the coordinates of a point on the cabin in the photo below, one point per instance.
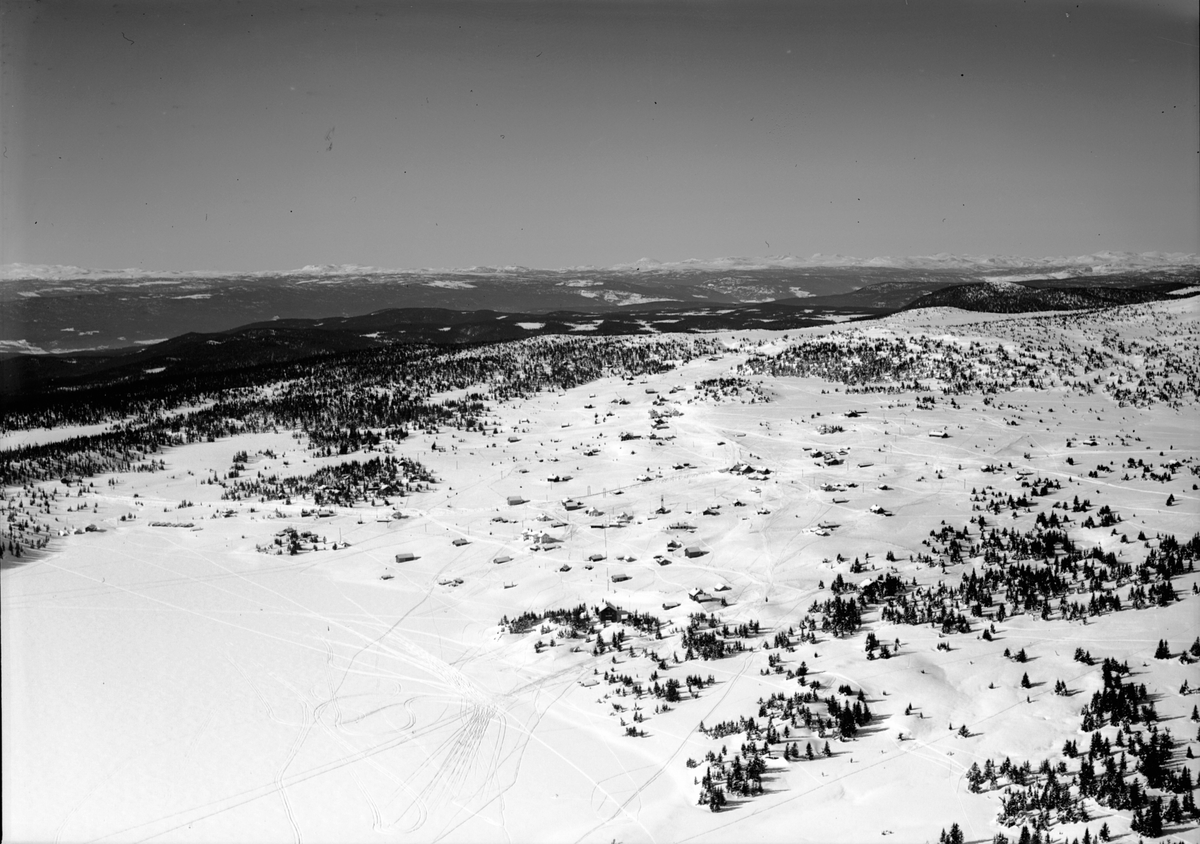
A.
x: 572, y: 504
x: 941, y: 435
x: 620, y: 578
x: 595, y: 558
x: 405, y: 557
x: 503, y: 558
x: 515, y: 500
x: 670, y: 605
x: 461, y: 542
x: 700, y: 596
x: 694, y: 551
x: 610, y: 614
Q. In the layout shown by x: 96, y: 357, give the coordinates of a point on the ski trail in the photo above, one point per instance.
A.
x: 530, y: 735
x: 281, y: 787
x: 333, y: 699
x: 376, y: 817
x: 257, y: 691
x: 204, y: 811
x: 336, y: 733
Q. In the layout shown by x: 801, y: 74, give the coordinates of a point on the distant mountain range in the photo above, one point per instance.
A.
x: 1099, y: 263
x: 70, y: 310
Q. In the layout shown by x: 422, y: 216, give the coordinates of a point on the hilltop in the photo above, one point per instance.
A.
x: 1012, y: 297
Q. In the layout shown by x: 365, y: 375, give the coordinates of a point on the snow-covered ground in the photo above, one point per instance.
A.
x: 170, y: 682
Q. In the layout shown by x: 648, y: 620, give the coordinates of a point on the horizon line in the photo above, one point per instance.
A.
x: 23, y: 271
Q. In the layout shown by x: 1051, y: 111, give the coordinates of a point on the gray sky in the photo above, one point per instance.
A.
x: 269, y: 135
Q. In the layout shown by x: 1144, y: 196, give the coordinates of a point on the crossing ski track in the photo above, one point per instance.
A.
x: 469, y: 732
x: 566, y: 678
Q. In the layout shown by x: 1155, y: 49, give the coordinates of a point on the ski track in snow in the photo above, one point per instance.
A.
x: 462, y: 746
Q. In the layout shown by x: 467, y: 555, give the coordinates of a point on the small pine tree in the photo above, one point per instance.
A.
x: 1163, y: 651
x: 1025, y: 684
x: 1154, y: 818
x: 1138, y: 824
x: 1189, y: 805
x: 1174, y: 813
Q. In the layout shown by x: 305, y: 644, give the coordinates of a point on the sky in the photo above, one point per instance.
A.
x: 267, y: 135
